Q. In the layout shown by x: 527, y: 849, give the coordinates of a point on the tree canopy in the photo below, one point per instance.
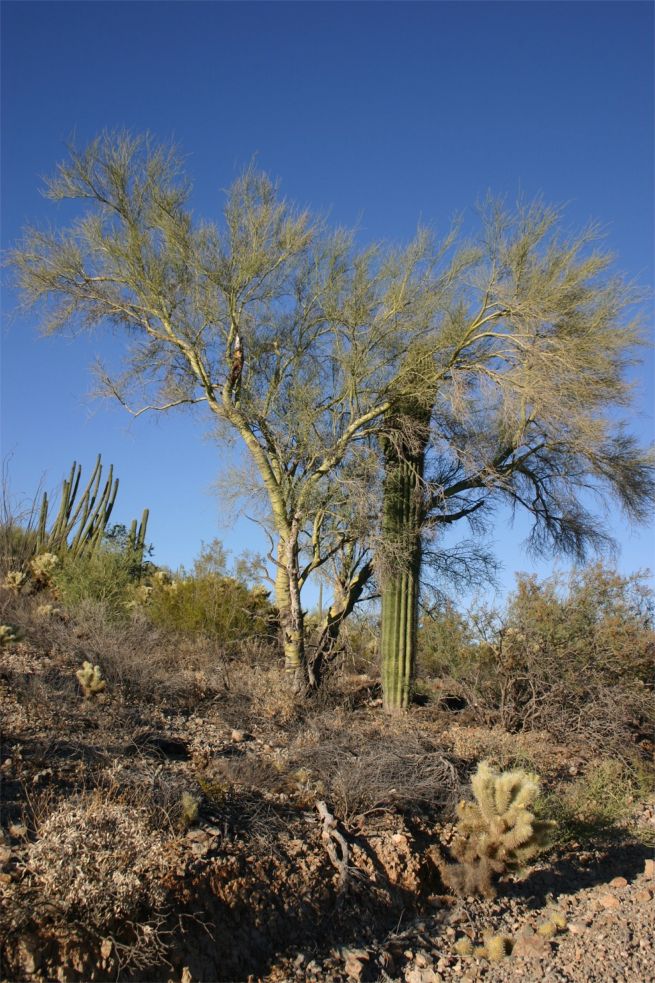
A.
x: 480, y: 371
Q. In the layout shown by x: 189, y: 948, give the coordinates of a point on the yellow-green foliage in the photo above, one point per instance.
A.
x: 90, y: 680
x: 496, y: 833
x: 9, y: 635
x: 213, y: 605
x: 106, y: 575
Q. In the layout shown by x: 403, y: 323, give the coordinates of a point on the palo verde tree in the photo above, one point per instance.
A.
x: 286, y: 333
x: 521, y: 392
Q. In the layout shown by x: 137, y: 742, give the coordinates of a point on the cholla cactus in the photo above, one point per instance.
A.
x: 9, y: 635
x: 14, y: 580
x: 494, y: 947
x: 90, y: 680
x: 161, y: 578
x: 47, y: 611
x: 495, y: 834
x: 42, y: 567
x: 189, y: 808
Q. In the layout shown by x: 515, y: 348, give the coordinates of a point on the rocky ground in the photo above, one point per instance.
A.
x: 103, y: 876
x: 605, y: 933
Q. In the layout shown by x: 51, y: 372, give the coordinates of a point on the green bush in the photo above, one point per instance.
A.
x: 570, y: 658
x: 106, y: 575
x: 213, y: 605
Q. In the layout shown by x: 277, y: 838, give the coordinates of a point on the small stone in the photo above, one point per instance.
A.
x: 532, y: 947
x: 5, y: 878
x: 618, y: 882
x: 197, y: 835
x: 186, y: 975
x: 18, y: 830
x: 649, y: 868
x: 355, y: 967
x: 105, y: 948
x: 643, y: 897
x: 5, y: 856
x: 238, y: 736
x: 609, y: 901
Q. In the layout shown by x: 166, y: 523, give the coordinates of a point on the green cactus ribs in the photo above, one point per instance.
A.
x: 496, y: 834
x: 81, y: 522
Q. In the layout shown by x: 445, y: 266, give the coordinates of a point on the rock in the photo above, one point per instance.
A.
x: 186, y: 975
x: 649, y: 868
x: 239, y: 736
x: 643, y: 897
x: 609, y: 901
x: 532, y: 947
x: 618, y: 882
x: 422, y: 975
x: 105, y: 948
x: 19, y: 830
x: 356, y: 960
x: 5, y: 856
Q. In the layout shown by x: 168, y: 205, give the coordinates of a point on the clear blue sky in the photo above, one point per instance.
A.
x: 382, y: 113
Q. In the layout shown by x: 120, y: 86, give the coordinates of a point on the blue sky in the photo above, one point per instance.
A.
x: 382, y: 114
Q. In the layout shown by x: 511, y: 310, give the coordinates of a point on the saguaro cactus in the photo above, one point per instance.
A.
x: 403, y: 508
x: 402, y: 537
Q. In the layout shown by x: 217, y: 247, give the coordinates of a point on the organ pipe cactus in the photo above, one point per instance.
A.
x: 496, y: 834
x: 81, y: 523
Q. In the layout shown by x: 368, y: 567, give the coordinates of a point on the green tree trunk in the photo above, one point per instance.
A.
x: 400, y: 578
x: 287, y: 599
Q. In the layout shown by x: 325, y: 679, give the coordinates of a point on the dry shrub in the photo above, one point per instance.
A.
x: 574, y: 659
x: 142, y: 660
x: 100, y: 861
x: 535, y: 750
x: 97, y: 871
x: 373, y: 769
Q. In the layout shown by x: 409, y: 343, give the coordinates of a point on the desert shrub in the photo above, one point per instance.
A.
x: 573, y: 661
x: 598, y: 801
x: 17, y: 546
x: 445, y: 640
x: 101, y: 864
x: 213, y: 606
x: 105, y: 575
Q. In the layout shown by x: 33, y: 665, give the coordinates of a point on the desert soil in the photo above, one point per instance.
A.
x: 252, y: 893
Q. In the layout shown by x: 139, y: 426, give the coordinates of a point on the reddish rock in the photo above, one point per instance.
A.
x: 609, y: 901
x: 532, y: 947
x: 618, y: 882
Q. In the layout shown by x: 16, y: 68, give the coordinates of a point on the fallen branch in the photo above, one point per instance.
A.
x: 334, y: 843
